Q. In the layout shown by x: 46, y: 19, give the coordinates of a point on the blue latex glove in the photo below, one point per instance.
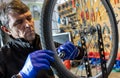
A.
x: 67, y: 51
x: 35, y: 62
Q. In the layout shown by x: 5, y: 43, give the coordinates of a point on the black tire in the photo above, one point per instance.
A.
x: 47, y: 40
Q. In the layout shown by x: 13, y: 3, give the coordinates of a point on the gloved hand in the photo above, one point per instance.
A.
x: 35, y: 62
x: 67, y: 51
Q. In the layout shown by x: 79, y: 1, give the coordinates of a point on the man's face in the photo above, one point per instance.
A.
x: 22, y: 26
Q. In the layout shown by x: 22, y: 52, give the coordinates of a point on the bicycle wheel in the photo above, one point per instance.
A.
x: 88, y: 29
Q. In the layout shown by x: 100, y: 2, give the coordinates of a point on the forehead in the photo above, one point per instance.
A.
x: 14, y: 16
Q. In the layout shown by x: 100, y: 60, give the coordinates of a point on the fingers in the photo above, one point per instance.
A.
x: 70, y: 50
x: 68, y: 47
x: 42, y: 54
x: 37, y: 61
x: 64, y: 48
x: 41, y: 64
x: 49, y: 52
x: 41, y: 61
x: 74, y: 54
x: 46, y: 56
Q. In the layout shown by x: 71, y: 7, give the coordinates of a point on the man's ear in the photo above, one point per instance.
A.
x: 6, y: 30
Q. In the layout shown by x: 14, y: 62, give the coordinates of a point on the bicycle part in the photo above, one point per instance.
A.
x: 102, y: 52
x: 106, y: 15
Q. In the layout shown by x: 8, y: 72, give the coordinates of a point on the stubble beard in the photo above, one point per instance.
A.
x: 30, y: 36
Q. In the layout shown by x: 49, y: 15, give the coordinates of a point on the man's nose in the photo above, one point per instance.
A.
x: 27, y: 25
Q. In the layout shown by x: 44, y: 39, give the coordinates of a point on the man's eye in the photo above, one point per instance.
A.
x: 19, y: 22
x: 29, y: 18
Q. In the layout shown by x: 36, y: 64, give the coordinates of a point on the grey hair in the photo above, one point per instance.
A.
x: 3, y: 14
x: 15, y: 6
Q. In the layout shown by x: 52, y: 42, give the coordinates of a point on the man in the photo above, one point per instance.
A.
x: 22, y: 55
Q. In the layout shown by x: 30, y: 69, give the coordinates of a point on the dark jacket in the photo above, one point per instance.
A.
x: 14, y: 54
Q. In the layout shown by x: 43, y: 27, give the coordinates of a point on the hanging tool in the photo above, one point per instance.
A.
x: 92, y: 15
x: 73, y: 3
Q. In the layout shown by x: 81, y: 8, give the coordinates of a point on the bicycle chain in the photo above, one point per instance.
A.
x: 102, y: 53
x: 86, y: 59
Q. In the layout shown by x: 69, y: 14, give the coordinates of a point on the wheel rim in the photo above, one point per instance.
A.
x: 111, y: 59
